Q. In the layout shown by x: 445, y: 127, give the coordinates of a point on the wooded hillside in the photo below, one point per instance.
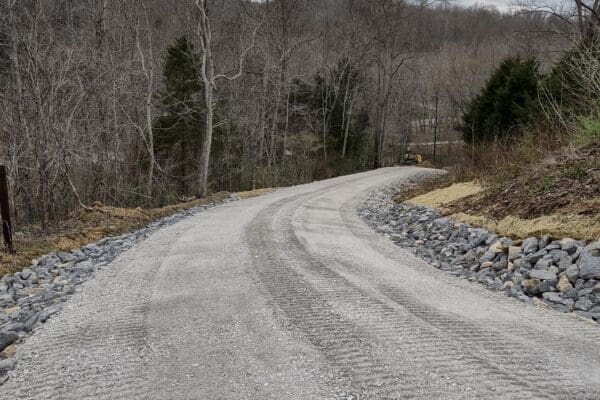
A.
x: 108, y: 100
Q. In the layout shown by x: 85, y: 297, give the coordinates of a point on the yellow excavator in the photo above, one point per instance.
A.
x: 411, y: 158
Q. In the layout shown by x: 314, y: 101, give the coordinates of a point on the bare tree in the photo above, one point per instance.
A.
x: 209, y: 79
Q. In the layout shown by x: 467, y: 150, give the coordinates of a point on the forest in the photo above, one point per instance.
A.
x: 150, y: 102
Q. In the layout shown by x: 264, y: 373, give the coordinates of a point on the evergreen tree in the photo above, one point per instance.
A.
x: 178, y: 132
x: 568, y: 84
x: 325, y: 99
x: 508, y: 101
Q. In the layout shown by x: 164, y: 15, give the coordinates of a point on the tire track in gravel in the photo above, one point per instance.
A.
x: 377, y: 337
x: 79, y: 355
x: 355, y: 329
x: 427, y: 334
x: 526, y: 346
x: 359, y: 368
x: 368, y: 369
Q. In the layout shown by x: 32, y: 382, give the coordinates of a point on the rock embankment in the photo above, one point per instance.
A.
x: 29, y: 297
x: 562, y: 273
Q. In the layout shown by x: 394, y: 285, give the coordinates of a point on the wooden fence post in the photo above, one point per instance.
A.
x: 5, y: 210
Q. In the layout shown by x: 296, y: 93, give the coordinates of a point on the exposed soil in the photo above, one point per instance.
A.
x: 560, y: 197
x: 567, y: 182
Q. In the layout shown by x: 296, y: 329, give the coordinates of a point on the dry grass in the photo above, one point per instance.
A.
x: 555, y: 225
x: 87, y: 226
x: 440, y: 197
x: 254, y: 193
x: 586, y: 227
x: 571, y: 207
x: 565, y: 182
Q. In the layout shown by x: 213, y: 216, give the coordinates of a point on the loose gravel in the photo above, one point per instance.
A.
x: 563, y: 274
x: 30, y: 297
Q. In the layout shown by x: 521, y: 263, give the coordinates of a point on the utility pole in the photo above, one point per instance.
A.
x: 435, y: 127
x: 5, y: 210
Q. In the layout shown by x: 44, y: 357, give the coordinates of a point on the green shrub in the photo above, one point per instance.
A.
x: 589, y: 132
x: 570, y: 85
x: 544, y: 183
x: 507, y: 102
x: 575, y: 171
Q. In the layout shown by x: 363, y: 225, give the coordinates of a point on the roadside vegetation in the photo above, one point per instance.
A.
x: 532, y: 146
x: 146, y: 103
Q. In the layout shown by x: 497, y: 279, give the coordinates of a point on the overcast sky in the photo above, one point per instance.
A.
x: 502, y: 5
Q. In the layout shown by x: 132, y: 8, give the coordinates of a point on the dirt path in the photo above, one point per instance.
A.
x: 291, y: 296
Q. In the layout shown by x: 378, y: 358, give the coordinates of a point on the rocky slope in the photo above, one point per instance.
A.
x: 561, y: 273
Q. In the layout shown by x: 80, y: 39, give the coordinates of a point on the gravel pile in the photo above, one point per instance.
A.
x: 564, y: 274
x: 29, y: 297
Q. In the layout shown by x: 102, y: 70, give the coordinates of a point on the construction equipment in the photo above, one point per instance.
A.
x: 412, y: 159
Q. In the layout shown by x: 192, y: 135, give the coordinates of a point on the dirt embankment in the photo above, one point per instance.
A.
x: 559, y: 196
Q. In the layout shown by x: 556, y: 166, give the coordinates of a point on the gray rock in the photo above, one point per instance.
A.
x: 544, y: 241
x: 575, y: 256
x: 7, y: 365
x: 48, y: 312
x: 31, y: 322
x: 564, y: 263
x: 25, y: 274
x: 535, y: 257
x: 584, y: 314
x: 488, y: 256
x: 585, y: 291
x: 66, y: 257
x: 543, y: 263
x: 595, y: 310
x: 589, y: 261
x: 541, y: 274
x: 13, y: 327
x: 590, y: 283
x: 556, y: 298
x: 491, y: 239
x: 500, y: 265
x: 7, y: 338
x: 571, y: 294
x: 583, y: 304
x: 569, y: 245
x: 7, y: 300
x: 530, y: 245
x: 545, y: 286
x: 552, y: 247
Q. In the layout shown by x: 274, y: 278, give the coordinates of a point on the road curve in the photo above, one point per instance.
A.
x: 291, y: 296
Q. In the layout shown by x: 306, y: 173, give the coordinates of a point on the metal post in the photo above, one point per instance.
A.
x: 435, y: 128
x: 5, y: 210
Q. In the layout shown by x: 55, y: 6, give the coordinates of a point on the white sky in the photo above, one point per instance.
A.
x: 507, y: 5
x: 501, y: 5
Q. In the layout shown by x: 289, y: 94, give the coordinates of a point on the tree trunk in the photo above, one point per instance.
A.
x: 348, y: 119
x: 207, y: 75
x: 206, y: 143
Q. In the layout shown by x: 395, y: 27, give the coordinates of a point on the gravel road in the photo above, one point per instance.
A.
x: 291, y: 296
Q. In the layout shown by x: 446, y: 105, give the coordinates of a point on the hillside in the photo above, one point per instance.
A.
x: 558, y: 196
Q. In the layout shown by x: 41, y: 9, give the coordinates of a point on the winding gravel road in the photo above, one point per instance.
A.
x: 291, y: 296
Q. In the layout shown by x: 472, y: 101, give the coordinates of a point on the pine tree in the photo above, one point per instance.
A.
x: 179, y: 130
x: 507, y: 102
